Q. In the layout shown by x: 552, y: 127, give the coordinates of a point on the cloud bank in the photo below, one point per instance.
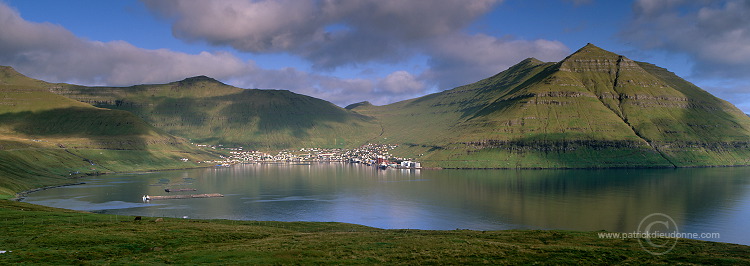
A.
x: 53, y: 53
x: 342, y: 33
x: 328, y: 34
x: 714, y: 34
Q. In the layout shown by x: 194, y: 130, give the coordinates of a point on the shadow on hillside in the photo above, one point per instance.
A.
x: 505, y: 91
x: 111, y: 129
x: 185, y: 111
x: 275, y: 112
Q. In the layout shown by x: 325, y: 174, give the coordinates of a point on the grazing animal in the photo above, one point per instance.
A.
x: 159, y: 220
x: 137, y: 218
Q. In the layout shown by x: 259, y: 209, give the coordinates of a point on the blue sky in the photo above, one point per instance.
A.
x: 382, y: 51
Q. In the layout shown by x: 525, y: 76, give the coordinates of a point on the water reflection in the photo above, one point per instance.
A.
x: 700, y: 200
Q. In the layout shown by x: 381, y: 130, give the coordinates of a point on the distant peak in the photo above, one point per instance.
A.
x: 526, y: 63
x: 200, y: 79
x: 592, y: 50
x: 8, y: 70
x: 531, y: 61
x: 591, y: 46
x: 355, y: 105
x: 590, y: 58
x: 9, y: 75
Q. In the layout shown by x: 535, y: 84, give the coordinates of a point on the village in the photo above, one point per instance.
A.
x: 370, y: 154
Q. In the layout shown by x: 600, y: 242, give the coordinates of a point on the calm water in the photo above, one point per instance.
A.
x: 710, y: 200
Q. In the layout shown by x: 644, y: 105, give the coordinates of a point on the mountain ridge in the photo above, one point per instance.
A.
x: 566, y: 114
x: 47, y: 138
x: 208, y: 111
x: 594, y: 108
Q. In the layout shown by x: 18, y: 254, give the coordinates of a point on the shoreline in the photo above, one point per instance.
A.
x: 498, y: 168
x: 46, y: 235
x: 20, y: 196
x: 152, y: 218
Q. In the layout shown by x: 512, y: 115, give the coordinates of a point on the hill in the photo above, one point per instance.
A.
x: 592, y: 109
x: 208, y: 111
x: 47, y: 139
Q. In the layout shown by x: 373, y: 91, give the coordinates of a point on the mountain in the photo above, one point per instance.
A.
x: 208, y: 111
x: 592, y: 109
x: 45, y: 136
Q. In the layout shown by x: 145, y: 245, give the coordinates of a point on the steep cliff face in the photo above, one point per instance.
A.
x: 685, y: 124
x: 592, y: 109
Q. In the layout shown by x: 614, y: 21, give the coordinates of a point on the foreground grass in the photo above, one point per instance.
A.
x: 42, y: 235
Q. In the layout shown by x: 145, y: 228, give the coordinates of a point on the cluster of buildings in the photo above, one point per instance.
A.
x: 370, y: 154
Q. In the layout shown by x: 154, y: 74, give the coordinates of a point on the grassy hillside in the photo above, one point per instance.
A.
x: 42, y: 235
x: 48, y: 139
x: 207, y: 111
x: 592, y: 109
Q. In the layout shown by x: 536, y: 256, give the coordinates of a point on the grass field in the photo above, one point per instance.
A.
x: 41, y: 235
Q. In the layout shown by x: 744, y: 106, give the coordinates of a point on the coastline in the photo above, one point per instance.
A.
x: 119, y: 239
x: 19, y: 196
x: 45, y: 235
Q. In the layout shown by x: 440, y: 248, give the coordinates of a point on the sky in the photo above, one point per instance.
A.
x: 382, y: 51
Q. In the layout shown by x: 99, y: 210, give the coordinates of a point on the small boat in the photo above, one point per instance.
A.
x: 191, y: 196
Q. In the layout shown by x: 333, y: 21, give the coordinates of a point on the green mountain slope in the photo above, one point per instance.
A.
x: 207, y: 111
x: 46, y: 138
x: 592, y: 109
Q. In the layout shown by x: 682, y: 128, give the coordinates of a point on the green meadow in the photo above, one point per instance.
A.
x: 41, y: 235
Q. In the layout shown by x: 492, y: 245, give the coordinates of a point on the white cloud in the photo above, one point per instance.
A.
x: 364, y: 31
x: 327, y: 33
x: 461, y: 58
x: 401, y: 82
x: 334, y: 33
x: 53, y: 53
x: 715, y: 34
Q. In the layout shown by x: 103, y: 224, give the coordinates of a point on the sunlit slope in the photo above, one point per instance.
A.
x: 46, y: 138
x: 693, y: 128
x: 207, y: 111
x: 592, y: 109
